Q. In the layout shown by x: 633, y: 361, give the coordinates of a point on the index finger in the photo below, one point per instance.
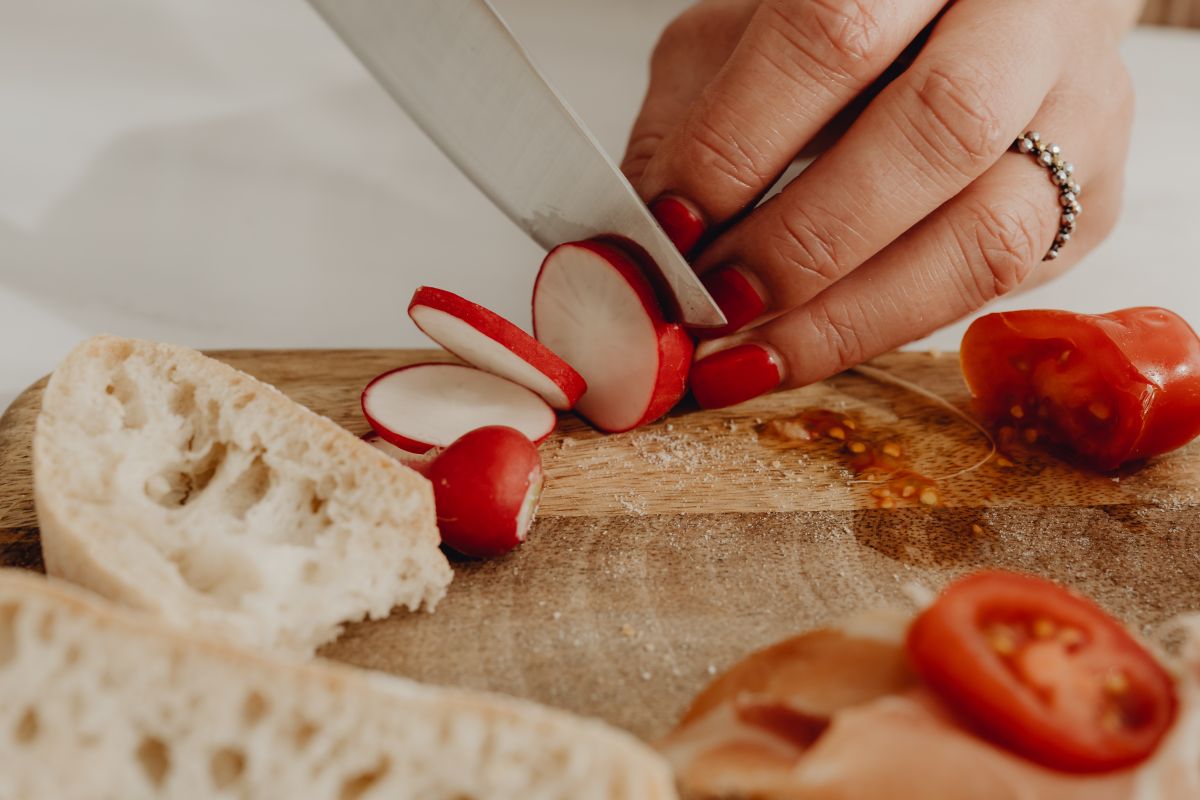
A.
x: 927, y: 136
x: 797, y: 65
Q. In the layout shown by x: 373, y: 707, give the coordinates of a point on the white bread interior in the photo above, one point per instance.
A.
x: 176, y: 484
x: 99, y: 702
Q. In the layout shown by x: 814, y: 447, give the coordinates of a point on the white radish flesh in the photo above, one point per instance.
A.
x: 488, y: 341
x: 593, y: 306
x: 431, y: 405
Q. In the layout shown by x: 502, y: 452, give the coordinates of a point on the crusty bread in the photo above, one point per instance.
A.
x: 173, y: 483
x: 97, y: 702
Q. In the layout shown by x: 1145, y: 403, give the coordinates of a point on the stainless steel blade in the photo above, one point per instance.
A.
x: 455, y: 67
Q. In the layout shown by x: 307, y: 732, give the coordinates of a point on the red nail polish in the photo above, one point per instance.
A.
x: 683, y: 225
x: 736, y: 297
x: 734, y: 376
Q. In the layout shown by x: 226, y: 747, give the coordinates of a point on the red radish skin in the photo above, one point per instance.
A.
x: 488, y: 341
x: 432, y: 404
x: 593, y: 306
x: 486, y: 487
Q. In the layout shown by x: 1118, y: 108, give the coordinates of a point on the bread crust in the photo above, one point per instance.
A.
x: 471, y: 744
x: 96, y: 533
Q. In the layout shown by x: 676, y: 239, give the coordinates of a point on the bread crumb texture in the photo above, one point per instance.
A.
x: 169, y: 481
x: 98, y: 703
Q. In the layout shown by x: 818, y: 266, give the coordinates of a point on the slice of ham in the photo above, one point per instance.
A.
x: 836, y: 715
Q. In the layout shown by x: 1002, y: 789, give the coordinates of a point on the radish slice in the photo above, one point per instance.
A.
x: 418, y: 462
x: 593, y: 305
x: 487, y: 340
x: 430, y: 405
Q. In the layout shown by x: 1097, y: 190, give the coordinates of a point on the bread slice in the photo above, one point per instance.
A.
x: 171, y: 482
x: 96, y: 702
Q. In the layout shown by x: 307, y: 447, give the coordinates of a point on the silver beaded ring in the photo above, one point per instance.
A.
x: 1062, y: 175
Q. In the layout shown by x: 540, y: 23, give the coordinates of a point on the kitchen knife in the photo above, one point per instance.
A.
x: 455, y: 67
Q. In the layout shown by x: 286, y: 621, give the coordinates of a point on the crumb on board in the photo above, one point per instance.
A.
x: 632, y: 503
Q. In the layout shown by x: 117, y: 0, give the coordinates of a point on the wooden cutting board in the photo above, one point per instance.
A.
x: 662, y: 555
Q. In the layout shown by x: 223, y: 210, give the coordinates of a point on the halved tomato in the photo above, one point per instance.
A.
x: 1043, y: 672
x: 1112, y: 388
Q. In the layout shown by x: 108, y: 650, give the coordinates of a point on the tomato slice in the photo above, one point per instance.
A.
x: 1109, y: 388
x: 1043, y: 672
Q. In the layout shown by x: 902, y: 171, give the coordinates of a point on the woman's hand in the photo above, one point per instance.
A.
x: 917, y: 214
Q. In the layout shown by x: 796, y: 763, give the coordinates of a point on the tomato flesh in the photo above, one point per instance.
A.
x: 1108, y: 388
x: 1043, y: 672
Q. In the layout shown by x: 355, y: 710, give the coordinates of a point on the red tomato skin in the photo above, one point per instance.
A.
x: 1166, y: 351
x: 1150, y: 356
x: 955, y: 660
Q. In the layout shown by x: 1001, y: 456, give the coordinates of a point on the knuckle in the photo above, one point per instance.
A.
x: 640, y: 150
x: 809, y: 245
x: 839, y: 39
x: 840, y: 337
x: 955, y: 119
x: 1000, y: 246
x: 717, y: 149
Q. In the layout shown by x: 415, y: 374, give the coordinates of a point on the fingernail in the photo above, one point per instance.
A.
x: 682, y: 223
x: 736, y: 297
x: 735, y: 375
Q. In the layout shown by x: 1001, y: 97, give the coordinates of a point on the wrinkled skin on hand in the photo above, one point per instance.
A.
x: 915, y: 212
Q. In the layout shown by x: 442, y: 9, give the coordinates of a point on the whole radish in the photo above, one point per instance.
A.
x: 486, y: 486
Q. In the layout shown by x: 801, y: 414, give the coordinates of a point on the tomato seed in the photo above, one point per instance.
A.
x: 858, y: 447
x: 837, y: 433
x: 1002, y: 642
x: 1031, y: 435
x: 929, y: 496
x: 908, y: 491
x: 1043, y: 628
x: 1116, y: 683
x: 1070, y: 636
x: 976, y: 528
x: 891, y: 449
x: 887, y: 502
x: 1099, y: 410
x: 849, y: 423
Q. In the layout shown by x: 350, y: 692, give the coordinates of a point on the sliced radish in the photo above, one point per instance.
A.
x: 489, y: 341
x: 430, y: 405
x: 593, y: 306
x: 418, y: 462
x: 486, y: 487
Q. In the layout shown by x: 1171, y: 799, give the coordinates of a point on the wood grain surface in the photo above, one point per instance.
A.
x: 662, y: 555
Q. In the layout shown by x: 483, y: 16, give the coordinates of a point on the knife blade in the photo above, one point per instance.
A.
x: 462, y: 76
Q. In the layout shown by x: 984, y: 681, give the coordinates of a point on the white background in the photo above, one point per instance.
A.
x: 222, y: 173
